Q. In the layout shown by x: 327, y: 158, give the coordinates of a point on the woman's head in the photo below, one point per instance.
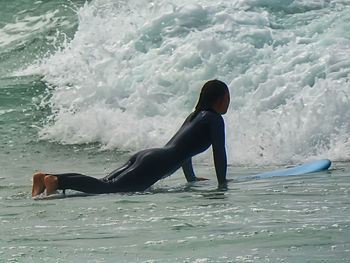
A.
x: 214, y: 96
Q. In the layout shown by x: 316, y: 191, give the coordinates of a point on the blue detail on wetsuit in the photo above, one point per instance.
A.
x: 146, y: 167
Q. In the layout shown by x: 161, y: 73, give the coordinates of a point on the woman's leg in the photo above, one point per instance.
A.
x: 139, y: 173
x: 78, y: 182
x: 114, y: 174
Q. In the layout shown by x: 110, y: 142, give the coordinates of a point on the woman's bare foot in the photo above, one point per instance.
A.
x: 51, y: 184
x: 38, y: 184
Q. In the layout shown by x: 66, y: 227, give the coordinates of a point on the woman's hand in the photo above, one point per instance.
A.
x: 201, y: 179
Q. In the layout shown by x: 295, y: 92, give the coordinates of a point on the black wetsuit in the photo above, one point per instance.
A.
x: 148, y: 166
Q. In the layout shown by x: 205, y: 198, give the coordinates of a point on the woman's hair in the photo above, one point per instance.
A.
x: 211, y: 91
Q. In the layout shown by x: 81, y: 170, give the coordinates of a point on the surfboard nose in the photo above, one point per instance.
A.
x: 324, y: 164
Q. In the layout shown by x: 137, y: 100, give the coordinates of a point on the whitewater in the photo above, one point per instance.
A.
x: 134, y: 65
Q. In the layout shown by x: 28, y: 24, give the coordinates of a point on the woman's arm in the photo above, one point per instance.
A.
x: 187, y: 168
x: 219, y: 152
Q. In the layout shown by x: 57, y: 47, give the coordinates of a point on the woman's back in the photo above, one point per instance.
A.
x: 197, y: 133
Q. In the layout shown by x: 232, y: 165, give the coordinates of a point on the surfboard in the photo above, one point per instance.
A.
x: 311, y: 167
x: 59, y: 195
x: 43, y: 196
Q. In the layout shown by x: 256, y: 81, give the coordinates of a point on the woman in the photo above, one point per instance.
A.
x: 202, y: 128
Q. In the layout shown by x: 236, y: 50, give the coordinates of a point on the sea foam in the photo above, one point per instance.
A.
x: 134, y: 70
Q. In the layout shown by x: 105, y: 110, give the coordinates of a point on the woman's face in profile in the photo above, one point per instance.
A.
x: 222, y: 104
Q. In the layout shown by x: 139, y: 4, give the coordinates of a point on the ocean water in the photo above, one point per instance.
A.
x: 83, y: 85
